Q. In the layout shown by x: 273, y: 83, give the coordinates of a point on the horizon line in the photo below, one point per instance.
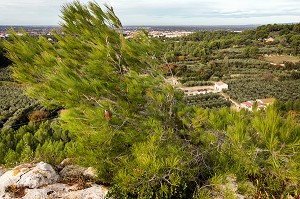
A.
x: 259, y: 24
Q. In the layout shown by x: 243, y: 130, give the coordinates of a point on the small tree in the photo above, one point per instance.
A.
x: 92, y: 68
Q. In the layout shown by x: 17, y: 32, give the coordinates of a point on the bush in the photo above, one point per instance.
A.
x: 38, y: 116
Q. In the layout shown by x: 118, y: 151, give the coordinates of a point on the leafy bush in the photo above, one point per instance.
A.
x: 210, y: 100
x: 37, y: 116
x: 33, y: 142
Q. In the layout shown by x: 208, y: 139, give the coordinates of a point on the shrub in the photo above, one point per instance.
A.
x: 38, y: 116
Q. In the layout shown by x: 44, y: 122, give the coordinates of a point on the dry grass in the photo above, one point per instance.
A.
x: 279, y: 59
x: 15, y: 191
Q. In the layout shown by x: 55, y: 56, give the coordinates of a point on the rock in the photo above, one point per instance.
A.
x: 51, y: 191
x: 28, y: 176
x: 41, y: 181
x: 65, y: 191
x: 42, y: 174
x: 94, y: 192
x: 67, y: 161
x: 90, y: 173
x: 10, y: 178
x: 75, y: 172
x: 227, y: 189
x: 72, y: 171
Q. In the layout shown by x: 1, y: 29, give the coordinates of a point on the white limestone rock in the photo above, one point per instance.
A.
x: 42, y: 181
x: 71, y: 171
x: 75, y: 171
x: 51, y: 191
x: 42, y: 174
x: 94, y: 192
x: 11, y: 178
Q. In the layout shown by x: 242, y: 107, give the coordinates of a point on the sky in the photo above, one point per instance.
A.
x: 161, y: 12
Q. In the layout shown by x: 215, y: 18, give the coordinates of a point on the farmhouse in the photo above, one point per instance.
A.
x: 219, y: 86
x: 261, y: 104
x: 269, y: 40
x: 247, y: 105
x: 266, y: 101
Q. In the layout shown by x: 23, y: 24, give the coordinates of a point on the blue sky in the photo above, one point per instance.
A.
x: 161, y: 12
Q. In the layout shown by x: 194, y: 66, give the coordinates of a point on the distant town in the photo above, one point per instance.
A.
x: 130, y: 31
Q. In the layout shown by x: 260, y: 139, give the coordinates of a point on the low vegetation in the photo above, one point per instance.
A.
x: 209, y: 100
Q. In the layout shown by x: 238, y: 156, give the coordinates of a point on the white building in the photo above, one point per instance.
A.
x: 261, y: 104
x: 219, y: 86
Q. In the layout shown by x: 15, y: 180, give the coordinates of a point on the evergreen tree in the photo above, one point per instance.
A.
x: 92, y: 68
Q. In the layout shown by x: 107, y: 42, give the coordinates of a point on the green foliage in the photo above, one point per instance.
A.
x: 247, y: 89
x: 157, y: 168
x: 11, y: 100
x: 5, y: 74
x: 209, y: 100
x: 91, y: 68
x: 258, y: 148
x: 33, y: 142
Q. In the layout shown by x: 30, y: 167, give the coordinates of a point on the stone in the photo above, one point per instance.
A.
x: 42, y: 174
x: 90, y: 173
x: 10, y: 178
x: 94, y: 192
x: 65, y: 191
x: 31, y: 181
x: 56, y: 190
x: 72, y: 171
x: 67, y: 161
x: 75, y: 172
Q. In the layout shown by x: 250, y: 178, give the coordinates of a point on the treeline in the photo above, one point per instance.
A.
x: 202, y: 44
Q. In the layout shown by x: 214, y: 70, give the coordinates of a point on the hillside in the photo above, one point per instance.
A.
x: 256, y: 64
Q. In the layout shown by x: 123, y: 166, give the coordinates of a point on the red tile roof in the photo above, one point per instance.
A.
x: 249, y: 104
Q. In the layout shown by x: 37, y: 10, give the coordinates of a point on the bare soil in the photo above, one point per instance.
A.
x: 279, y: 59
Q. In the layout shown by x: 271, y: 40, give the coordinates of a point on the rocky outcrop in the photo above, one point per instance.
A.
x: 43, y: 181
x: 228, y: 188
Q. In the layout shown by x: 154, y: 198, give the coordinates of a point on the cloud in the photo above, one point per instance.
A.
x: 158, y: 11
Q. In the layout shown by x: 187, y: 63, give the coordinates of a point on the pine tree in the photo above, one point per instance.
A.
x: 92, y: 68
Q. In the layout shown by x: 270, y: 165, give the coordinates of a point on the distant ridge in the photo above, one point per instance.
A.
x: 150, y: 28
x: 193, y: 28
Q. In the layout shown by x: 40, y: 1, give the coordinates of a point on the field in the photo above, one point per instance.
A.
x: 280, y: 59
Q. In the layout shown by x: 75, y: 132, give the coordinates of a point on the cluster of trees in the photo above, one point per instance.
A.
x: 5, y: 74
x: 43, y: 141
x: 209, y: 100
x: 190, y: 83
x: 243, y: 90
x: 12, y: 101
x: 290, y: 105
x: 205, y: 45
x: 153, y: 146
